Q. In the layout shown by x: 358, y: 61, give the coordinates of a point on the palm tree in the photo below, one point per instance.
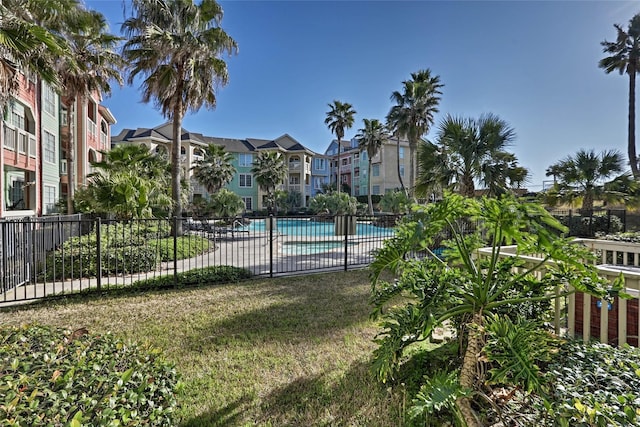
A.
x: 396, y: 134
x: 469, y: 150
x: 583, y: 174
x: 339, y: 118
x: 269, y: 170
x: 177, y: 47
x: 371, y: 138
x: 413, y: 114
x: 624, y: 56
x: 30, y: 40
x: 215, y: 170
x: 89, y: 68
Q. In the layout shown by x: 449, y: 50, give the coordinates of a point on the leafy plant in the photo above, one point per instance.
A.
x: 395, y: 202
x: 58, y: 377
x: 466, y: 288
x: 334, y: 204
x: 199, y: 276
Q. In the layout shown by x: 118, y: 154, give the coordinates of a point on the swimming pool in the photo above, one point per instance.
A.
x: 312, y: 248
x: 305, y: 227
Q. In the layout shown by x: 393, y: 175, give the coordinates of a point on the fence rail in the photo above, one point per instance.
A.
x: 56, y: 255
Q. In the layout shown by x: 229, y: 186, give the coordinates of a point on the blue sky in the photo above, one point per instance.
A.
x: 533, y: 63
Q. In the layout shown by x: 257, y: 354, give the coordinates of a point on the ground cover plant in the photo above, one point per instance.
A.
x: 266, y: 352
x: 52, y: 376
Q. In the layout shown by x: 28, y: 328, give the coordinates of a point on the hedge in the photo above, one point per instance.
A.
x: 200, y: 276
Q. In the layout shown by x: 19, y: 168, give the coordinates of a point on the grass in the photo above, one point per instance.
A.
x: 268, y: 352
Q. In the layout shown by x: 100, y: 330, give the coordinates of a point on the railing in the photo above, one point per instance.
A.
x: 104, y: 141
x: 10, y: 137
x: 584, y: 313
x: 55, y: 255
x: 93, y: 128
x: 19, y: 140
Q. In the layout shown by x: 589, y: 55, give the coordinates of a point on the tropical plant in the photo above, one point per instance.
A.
x: 395, y: 202
x: 334, y: 204
x: 90, y: 68
x: 370, y: 139
x: 624, y: 57
x: 215, y: 170
x: 269, y: 170
x: 129, y: 182
x: 582, y: 176
x: 225, y: 204
x: 413, y: 114
x: 468, y: 151
x: 177, y: 47
x: 339, y: 118
x: 288, y: 201
x: 463, y: 288
x: 30, y: 41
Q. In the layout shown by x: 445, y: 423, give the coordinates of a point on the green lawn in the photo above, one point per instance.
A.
x: 289, y: 351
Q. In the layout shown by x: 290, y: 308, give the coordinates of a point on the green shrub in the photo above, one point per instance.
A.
x: 55, y: 377
x: 585, y: 226
x: 188, y: 247
x: 200, y: 276
x: 375, y: 199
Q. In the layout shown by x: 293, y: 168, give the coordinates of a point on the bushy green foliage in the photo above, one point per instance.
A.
x: 127, y: 248
x: 395, y: 202
x: 187, y: 246
x: 56, y: 377
x: 375, y: 199
x: 585, y: 226
x: 201, y: 276
x: 334, y: 203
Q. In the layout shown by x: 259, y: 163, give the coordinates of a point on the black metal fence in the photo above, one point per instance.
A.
x: 589, y: 223
x: 57, y: 255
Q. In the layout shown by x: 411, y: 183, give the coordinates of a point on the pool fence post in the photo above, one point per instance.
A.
x: 346, y: 218
x: 270, y: 219
x: 175, y: 251
x: 99, y: 253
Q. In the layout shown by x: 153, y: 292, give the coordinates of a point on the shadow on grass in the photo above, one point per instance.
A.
x: 228, y: 415
x: 299, y: 308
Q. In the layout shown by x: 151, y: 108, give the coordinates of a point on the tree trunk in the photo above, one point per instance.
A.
x: 631, y: 147
x: 412, y: 172
x: 176, y: 168
x: 369, y: 179
x: 338, y: 180
x: 467, y: 188
x: 469, y: 369
x: 404, y: 190
x: 587, y: 201
x: 71, y: 175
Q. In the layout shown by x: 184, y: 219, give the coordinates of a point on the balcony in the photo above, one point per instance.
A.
x: 93, y: 128
x: 104, y: 141
x: 19, y: 140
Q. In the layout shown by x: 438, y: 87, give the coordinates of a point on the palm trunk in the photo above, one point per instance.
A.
x: 338, y: 181
x: 176, y: 168
x: 587, y: 202
x: 468, y: 370
x: 404, y: 190
x: 467, y: 187
x: 369, y: 181
x: 631, y: 148
x: 71, y: 175
x: 412, y: 173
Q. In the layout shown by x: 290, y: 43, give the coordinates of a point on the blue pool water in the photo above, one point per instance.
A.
x: 306, y: 228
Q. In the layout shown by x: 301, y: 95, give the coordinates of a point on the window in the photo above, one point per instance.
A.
x: 345, y: 179
x: 356, y: 157
x: 17, y: 120
x: 375, y: 189
x: 375, y: 171
x: 401, y: 170
x: 248, y: 203
x: 401, y: 154
x: 49, y: 147
x: 317, y: 183
x: 64, y: 118
x: 183, y: 151
x: 49, y: 100
x: 245, y: 180
x: 319, y: 164
x: 294, y: 180
x: 50, y: 198
x: 245, y: 160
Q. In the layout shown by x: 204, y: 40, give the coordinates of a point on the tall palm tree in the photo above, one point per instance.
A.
x: 177, y: 47
x: 469, y: 151
x: 624, y: 56
x: 413, y: 114
x: 584, y: 173
x: 339, y: 117
x: 269, y: 170
x: 30, y: 40
x: 215, y: 170
x: 91, y: 66
x: 370, y: 138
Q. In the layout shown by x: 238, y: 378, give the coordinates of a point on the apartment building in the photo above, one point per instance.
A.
x: 305, y: 176
x: 32, y: 157
x: 353, y: 165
